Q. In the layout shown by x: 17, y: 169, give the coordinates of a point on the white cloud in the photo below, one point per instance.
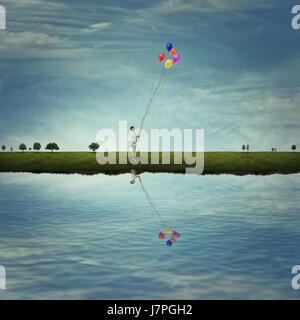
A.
x: 30, y: 44
x: 100, y: 26
x: 29, y: 38
x: 97, y: 27
x: 30, y: 3
x: 209, y: 6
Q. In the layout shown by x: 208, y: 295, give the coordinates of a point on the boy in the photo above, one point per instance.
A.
x: 133, y: 140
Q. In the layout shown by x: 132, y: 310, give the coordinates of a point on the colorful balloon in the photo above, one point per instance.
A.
x: 168, y: 230
x: 168, y: 63
x: 176, y: 58
x: 172, y: 51
x: 161, y: 57
x: 169, y: 46
x: 173, y: 239
x: 175, y: 234
x: 161, y: 235
x: 169, y: 243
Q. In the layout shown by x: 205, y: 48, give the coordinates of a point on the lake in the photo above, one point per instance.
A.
x: 95, y: 237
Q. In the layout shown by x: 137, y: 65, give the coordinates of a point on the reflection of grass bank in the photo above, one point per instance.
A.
x: 215, y: 163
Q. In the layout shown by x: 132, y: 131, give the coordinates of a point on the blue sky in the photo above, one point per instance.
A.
x: 71, y: 68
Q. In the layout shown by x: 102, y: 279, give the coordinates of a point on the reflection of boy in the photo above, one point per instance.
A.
x: 134, y: 176
x: 134, y: 137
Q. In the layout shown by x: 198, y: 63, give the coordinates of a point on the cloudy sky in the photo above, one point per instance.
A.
x: 70, y: 68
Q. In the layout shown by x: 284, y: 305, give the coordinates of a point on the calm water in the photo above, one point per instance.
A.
x: 95, y: 237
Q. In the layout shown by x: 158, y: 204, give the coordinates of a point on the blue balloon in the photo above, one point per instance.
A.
x: 169, y: 243
x: 169, y: 46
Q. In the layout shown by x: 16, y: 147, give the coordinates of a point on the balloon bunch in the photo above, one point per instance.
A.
x: 172, y: 234
x: 156, y: 89
x: 172, y: 51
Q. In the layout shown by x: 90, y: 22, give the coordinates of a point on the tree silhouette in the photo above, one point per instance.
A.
x: 294, y: 147
x: 272, y: 149
x: 52, y: 146
x: 248, y: 147
x: 94, y: 146
x: 22, y: 147
x: 37, y: 146
x: 3, y: 148
x: 243, y: 147
x: 11, y: 149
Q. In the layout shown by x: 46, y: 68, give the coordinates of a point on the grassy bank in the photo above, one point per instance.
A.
x: 214, y: 163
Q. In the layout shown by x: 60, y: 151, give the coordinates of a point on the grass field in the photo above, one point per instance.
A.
x: 239, y: 163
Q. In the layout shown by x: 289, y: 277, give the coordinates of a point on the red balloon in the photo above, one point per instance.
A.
x: 161, y: 57
x: 161, y: 235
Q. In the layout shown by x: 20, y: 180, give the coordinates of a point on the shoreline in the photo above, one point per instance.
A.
x: 236, y: 163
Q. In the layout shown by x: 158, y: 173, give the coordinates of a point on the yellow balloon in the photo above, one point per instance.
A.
x: 168, y: 63
x: 168, y: 230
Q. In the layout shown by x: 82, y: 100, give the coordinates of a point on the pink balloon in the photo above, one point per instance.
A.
x: 176, y: 234
x: 176, y: 57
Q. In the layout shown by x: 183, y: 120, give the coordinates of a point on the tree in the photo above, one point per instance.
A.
x: 272, y: 149
x: 248, y: 147
x: 22, y: 147
x: 275, y: 149
x: 37, y: 146
x: 94, y: 146
x: 11, y: 149
x: 52, y: 146
x: 243, y: 147
x: 3, y: 148
x: 294, y: 147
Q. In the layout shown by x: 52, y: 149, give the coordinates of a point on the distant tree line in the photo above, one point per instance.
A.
x: 50, y: 146
x: 293, y: 147
x: 245, y: 147
x: 36, y: 146
x: 95, y: 146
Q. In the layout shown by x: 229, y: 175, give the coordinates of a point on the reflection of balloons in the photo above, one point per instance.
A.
x: 168, y: 230
x: 169, y: 243
x: 176, y: 58
x: 176, y: 234
x: 173, y: 239
x: 161, y: 57
x: 168, y: 64
x: 161, y: 235
x: 169, y: 46
x: 172, y: 52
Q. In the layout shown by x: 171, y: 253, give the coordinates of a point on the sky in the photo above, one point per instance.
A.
x: 71, y: 68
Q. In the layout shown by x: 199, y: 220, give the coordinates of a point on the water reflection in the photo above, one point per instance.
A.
x: 164, y: 223
x: 95, y: 237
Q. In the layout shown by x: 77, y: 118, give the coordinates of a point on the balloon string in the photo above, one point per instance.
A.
x: 162, y: 86
x: 162, y: 219
x: 152, y: 98
x: 153, y: 80
x: 150, y: 101
x: 152, y: 86
x: 155, y: 96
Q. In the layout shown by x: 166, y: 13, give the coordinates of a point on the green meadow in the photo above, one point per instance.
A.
x: 239, y: 163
